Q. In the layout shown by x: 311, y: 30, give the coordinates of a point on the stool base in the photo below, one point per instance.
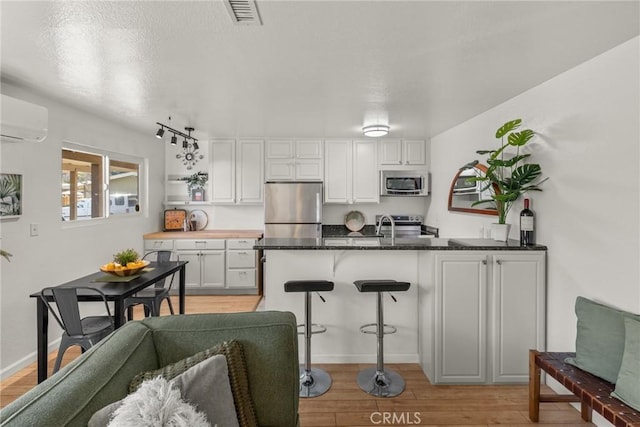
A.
x: 314, y: 382
x: 386, y: 383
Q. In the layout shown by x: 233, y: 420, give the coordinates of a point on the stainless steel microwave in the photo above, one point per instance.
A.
x: 404, y: 183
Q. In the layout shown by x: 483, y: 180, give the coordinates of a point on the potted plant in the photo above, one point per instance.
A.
x: 195, y: 185
x: 508, y: 176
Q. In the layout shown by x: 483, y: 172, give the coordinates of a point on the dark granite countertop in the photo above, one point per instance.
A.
x: 374, y: 243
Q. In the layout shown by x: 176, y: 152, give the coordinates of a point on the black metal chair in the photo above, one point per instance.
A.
x: 84, y: 332
x: 151, y: 298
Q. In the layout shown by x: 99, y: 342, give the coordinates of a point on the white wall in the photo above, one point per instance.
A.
x: 587, y: 120
x: 59, y: 254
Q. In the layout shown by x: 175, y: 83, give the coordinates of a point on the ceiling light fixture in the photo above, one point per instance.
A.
x: 160, y: 132
x: 185, y: 144
x: 174, y: 140
x: 375, y: 131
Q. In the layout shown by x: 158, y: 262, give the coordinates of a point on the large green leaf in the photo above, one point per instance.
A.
x: 526, y: 173
x: 519, y: 139
x: 508, y: 127
x: 507, y: 163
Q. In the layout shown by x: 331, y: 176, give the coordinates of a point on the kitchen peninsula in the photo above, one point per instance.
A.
x: 474, y: 309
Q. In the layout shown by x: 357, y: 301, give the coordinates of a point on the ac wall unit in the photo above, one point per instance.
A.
x: 22, y: 121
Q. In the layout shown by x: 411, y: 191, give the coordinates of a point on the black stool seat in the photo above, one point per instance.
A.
x: 308, y: 286
x: 381, y: 286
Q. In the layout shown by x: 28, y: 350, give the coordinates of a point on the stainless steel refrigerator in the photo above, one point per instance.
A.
x: 293, y: 209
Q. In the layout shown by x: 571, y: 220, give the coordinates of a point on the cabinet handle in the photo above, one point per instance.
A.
x: 484, y: 262
x: 498, y: 262
x: 242, y: 253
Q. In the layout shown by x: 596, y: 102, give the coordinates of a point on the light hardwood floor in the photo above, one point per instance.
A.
x: 346, y: 405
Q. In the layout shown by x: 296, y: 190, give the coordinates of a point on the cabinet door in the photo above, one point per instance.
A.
x: 517, y: 313
x: 250, y: 173
x: 308, y: 149
x: 415, y: 152
x: 279, y: 169
x: 338, y: 171
x: 192, y: 269
x: 223, y: 171
x: 308, y: 169
x: 212, y: 269
x: 390, y: 152
x: 280, y: 149
x: 460, y: 313
x: 365, y: 172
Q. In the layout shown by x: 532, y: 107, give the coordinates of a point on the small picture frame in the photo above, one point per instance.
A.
x: 10, y: 195
x: 197, y: 195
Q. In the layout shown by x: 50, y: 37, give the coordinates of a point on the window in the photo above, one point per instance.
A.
x: 90, y: 179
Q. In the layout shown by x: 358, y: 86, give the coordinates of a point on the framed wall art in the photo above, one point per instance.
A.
x: 10, y: 195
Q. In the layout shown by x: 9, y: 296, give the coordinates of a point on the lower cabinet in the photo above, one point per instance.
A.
x: 206, y: 262
x: 489, y: 311
x: 216, y: 266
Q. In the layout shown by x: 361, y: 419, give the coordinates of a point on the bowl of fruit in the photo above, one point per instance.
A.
x: 125, y: 263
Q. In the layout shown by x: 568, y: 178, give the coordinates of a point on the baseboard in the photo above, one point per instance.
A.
x: 26, y: 361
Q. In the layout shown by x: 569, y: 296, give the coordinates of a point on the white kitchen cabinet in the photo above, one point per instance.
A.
x: 405, y: 152
x: 237, y: 171
x: 288, y: 159
x: 489, y: 311
x: 206, y: 267
x: 351, y: 172
x: 241, y: 264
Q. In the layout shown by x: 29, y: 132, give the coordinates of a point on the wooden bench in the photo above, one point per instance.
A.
x: 592, y: 392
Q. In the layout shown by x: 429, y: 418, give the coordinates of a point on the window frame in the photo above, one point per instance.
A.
x: 107, y: 157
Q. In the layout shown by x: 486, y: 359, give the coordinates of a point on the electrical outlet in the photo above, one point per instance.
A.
x: 35, y: 229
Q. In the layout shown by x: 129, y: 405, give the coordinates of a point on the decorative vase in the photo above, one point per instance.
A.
x: 500, y: 232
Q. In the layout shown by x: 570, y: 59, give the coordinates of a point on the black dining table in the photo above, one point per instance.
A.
x: 116, y: 292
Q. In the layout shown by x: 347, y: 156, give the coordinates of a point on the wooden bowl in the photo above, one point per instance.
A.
x: 125, y: 271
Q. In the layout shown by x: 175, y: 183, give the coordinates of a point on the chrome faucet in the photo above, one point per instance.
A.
x: 393, y: 225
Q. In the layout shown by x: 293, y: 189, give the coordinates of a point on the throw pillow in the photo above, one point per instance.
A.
x: 600, y: 339
x: 628, y: 384
x: 157, y: 403
x: 238, y: 377
x: 206, y: 385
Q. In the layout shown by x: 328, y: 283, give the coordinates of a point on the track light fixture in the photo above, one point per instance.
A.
x: 185, y: 144
x: 160, y: 132
x: 176, y: 133
x: 174, y: 140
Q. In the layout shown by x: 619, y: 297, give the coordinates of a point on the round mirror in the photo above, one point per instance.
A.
x: 463, y: 193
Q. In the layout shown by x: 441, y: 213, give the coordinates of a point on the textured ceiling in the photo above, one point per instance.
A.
x: 315, y: 68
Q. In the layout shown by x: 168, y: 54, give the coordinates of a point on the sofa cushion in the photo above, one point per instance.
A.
x: 628, y: 383
x: 600, y: 339
x: 157, y: 403
x: 237, y: 374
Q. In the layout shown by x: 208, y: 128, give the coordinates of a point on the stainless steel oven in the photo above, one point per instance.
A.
x: 404, y: 183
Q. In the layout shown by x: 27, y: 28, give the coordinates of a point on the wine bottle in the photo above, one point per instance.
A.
x: 526, y: 225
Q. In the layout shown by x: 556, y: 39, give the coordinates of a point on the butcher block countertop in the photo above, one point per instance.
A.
x: 206, y: 234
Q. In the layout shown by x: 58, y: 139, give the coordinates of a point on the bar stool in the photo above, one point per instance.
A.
x: 379, y: 381
x: 313, y: 381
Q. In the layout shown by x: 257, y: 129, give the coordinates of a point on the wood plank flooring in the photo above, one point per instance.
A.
x: 346, y: 405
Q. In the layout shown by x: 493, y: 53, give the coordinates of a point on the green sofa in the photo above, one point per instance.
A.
x: 103, y: 373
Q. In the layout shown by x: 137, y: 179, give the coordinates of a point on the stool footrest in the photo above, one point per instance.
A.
x: 320, y: 329
x: 388, y: 329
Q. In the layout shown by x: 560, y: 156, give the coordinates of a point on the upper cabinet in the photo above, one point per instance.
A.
x: 237, y: 171
x: 351, y: 172
x: 403, y: 152
x: 293, y: 160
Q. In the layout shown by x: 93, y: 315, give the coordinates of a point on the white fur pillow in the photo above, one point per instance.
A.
x: 157, y: 403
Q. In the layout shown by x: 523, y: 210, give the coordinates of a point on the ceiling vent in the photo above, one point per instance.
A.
x: 243, y: 12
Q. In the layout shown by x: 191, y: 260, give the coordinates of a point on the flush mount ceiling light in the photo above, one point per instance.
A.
x: 375, y: 131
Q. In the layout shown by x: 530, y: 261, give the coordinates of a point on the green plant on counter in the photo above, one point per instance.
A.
x: 126, y: 256
x: 507, y: 178
x: 197, y: 180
